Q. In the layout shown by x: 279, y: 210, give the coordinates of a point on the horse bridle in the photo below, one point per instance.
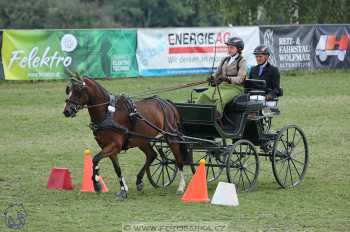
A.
x: 78, y: 106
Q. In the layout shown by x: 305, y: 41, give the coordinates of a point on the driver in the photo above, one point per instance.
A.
x: 228, y: 79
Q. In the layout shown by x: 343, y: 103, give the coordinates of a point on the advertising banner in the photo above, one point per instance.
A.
x: 46, y: 54
x: 332, y: 46
x: 291, y: 46
x: 178, y: 51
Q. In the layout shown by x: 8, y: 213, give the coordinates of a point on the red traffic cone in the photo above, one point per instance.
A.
x: 60, y: 178
x: 87, y: 185
x: 197, y: 189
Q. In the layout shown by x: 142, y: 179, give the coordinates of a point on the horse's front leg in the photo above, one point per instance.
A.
x: 108, y: 151
x: 123, y: 194
x: 95, y: 172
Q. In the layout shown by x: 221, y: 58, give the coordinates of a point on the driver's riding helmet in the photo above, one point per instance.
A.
x: 261, y: 50
x: 237, y: 42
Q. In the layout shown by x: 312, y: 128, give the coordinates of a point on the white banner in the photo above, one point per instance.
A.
x: 177, y: 51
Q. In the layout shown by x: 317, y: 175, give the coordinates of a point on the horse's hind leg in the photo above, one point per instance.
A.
x: 175, y: 148
x: 150, y: 156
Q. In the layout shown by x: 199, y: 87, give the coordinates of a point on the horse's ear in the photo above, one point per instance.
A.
x: 69, y: 72
x: 80, y: 78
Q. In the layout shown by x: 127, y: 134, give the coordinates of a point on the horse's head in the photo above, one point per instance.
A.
x: 78, y: 95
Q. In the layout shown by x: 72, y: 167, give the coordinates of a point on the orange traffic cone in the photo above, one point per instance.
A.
x: 197, y: 188
x: 87, y: 185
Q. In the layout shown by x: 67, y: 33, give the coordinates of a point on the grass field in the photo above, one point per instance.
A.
x: 35, y: 136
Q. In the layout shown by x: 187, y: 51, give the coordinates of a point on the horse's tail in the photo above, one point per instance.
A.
x: 173, y: 124
x: 185, y: 153
x: 183, y: 146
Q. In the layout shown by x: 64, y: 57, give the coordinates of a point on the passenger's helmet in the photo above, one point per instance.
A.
x: 261, y: 50
x: 236, y: 41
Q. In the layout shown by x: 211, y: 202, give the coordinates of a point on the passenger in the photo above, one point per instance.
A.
x: 228, y: 79
x: 265, y: 71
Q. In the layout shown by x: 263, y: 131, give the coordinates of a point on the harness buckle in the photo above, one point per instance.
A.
x: 111, y: 108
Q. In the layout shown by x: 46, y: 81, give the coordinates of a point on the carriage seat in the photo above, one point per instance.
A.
x: 237, y: 111
x: 242, y: 103
x: 256, y: 86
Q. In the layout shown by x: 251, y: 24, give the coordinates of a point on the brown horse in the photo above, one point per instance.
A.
x: 120, y: 123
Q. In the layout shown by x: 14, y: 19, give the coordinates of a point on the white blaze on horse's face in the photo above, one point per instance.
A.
x: 72, y: 105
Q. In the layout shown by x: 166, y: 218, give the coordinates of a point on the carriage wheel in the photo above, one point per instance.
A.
x: 290, y: 156
x: 214, y: 162
x: 242, y: 165
x: 162, y: 171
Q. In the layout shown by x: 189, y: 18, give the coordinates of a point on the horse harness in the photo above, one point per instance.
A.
x: 109, y: 124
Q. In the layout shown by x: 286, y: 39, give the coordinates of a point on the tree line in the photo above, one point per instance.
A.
x: 29, y: 14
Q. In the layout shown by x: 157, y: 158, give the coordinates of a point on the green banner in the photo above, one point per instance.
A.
x: 46, y: 54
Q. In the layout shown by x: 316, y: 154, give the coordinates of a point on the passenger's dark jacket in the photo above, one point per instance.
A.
x: 272, y: 77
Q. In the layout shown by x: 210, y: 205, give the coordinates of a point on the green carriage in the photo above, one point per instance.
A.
x: 234, y: 143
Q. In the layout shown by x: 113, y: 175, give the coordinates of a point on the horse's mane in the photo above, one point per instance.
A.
x: 99, y: 86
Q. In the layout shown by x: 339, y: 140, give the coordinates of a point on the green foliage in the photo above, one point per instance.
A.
x: 168, y: 13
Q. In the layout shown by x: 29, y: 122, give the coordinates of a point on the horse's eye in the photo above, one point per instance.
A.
x: 67, y: 90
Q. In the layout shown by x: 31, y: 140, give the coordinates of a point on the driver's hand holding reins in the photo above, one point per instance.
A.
x: 212, y: 81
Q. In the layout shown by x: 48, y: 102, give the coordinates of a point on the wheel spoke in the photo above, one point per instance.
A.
x: 299, y: 140
x: 154, y: 164
x: 234, y: 176
x: 284, y: 145
x: 301, y: 163
x: 290, y: 173
x: 159, y: 177
x: 167, y: 172
x: 250, y: 164
x: 212, y: 170
x: 155, y: 171
x: 233, y: 162
x: 241, y: 176
x: 285, y: 178
x: 249, y: 171
x: 282, y: 168
x: 295, y: 130
x: 173, y: 169
x: 239, y: 179
x: 242, y: 165
x: 247, y: 157
x: 282, y: 159
x: 289, y: 156
x: 296, y: 169
x: 162, y: 171
x: 250, y: 183
x: 296, y: 153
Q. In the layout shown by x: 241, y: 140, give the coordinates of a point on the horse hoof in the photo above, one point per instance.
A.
x: 179, y: 192
x: 97, y: 187
x: 139, y: 186
x: 122, y: 195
